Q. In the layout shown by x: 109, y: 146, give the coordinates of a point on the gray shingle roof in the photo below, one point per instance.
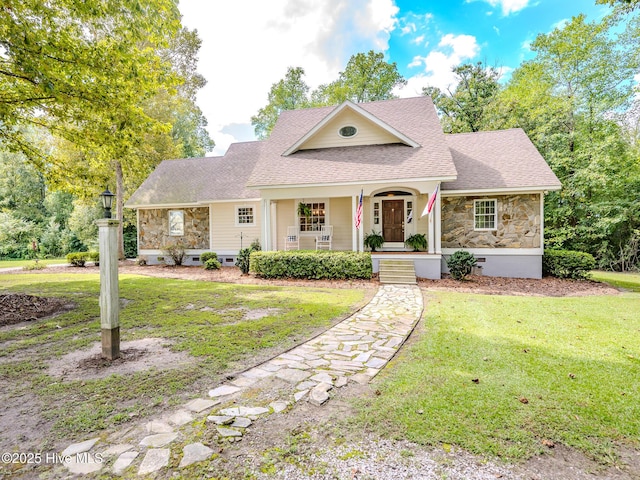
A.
x: 498, y: 159
x: 198, y: 180
x: 504, y: 159
x: 414, y: 117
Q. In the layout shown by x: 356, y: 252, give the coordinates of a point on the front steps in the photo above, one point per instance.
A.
x: 397, y: 271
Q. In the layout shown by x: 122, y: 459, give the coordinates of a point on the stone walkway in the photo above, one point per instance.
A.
x: 353, y: 351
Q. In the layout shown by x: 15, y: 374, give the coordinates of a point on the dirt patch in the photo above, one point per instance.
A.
x: 137, y: 356
x: 17, y: 307
x: 310, y: 442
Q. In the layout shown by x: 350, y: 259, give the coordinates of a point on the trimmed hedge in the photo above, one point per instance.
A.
x: 568, y: 264
x: 312, y: 265
x: 78, y: 259
x: 204, y: 256
x: 212, y: 263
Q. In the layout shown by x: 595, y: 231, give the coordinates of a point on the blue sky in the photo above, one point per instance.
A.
x: 247, y: 45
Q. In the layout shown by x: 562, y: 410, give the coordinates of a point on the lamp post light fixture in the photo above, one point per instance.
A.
x: 109, y: 289
x: 107, y: 201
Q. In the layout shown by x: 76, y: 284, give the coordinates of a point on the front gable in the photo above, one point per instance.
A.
x: 349, y: 125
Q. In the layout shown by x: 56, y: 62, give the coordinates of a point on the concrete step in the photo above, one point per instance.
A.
x: 398, y: 280
x: 397, y: 271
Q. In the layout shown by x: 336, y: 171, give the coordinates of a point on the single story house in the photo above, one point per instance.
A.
x: 311, y: 172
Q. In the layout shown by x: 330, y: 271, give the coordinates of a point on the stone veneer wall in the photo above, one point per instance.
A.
x: 154, y: 228
x: 518, y: 223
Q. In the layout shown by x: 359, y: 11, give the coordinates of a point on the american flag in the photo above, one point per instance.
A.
x: 432, y: 200
x: 358, y: 217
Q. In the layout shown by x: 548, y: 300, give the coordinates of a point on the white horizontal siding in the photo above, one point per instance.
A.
x: 368, y: 133
x: 224, y: 232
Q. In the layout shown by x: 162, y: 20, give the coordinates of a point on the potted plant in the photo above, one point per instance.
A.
x: 373, y: 240
x: 304, y: 210
x: 417, y: 241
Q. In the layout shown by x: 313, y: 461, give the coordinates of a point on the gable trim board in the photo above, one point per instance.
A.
x: 274, y: 174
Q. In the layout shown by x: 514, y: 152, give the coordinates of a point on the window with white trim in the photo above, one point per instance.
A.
x: 316, y: 218
x: 245, y: 216
x: 485, y: 214
x: 176, y: 223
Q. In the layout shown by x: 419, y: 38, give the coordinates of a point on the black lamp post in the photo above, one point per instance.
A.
x: 107, y: 201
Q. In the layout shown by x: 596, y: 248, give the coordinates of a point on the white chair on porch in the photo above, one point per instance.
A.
x: 324, y: 239
x: 292, y: 240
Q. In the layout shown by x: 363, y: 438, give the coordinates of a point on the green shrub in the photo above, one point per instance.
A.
x: 311, y: 264
x: 176, y: 251
x: 568, y: 264
x: 212, y: 264
x: 461, y: 264
x: 373, y: 240
x: 35, y: 266
x: 77, y: 259
x: 417, y: 241
x: 94, y: 257
x: 243, y: 262
x: 207, y: 255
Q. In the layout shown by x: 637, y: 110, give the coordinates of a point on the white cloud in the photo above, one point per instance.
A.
x: 560, y: 24
x: 508, y: 6
x: 247, y: 46
x: 496, y: 29
x: 418, y: 40
x: 452, y: 50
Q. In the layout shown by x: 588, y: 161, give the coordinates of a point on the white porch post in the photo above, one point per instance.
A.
x: 266, y: 224
x: 274, y: 229
x: 354, y: 230
x: 430, y: 230
x: 437, y: 209
x: 542, y: 220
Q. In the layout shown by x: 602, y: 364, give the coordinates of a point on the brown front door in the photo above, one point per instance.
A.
x: 393, y: 220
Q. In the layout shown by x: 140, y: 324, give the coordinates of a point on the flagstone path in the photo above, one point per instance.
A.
x: 353, y: 351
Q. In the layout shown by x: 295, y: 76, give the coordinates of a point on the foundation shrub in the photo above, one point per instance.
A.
x: 312, y: 265
x: 568, y: 264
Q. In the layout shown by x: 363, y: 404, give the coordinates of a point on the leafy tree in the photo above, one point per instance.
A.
x: 79, y: 68
x: 366, y: 78
x: 468, y: 107
x: 16, y: 235
x: 22, y: 188
x: 623, y: 5
x: 290, y: 93
x: 570, y: 102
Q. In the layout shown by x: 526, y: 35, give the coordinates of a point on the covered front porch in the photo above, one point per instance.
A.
x: 393, y: 210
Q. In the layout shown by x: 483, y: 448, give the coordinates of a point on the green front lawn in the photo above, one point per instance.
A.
x: 502, y: 376
x: 26, y: 263
x: 204, y: 319
x: 626, y: 281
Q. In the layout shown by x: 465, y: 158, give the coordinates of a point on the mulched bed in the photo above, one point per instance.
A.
x: 17, y: 307
x: 545, y: 287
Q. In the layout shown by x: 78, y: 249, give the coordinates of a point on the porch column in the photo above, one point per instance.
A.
x: 354, y: 230
x: 430, y: 229
x: 266, y: 224
x: 437, y: 209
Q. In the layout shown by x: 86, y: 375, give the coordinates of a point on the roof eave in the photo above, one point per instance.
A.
x: 446, y: 178
x: 490, y: 191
